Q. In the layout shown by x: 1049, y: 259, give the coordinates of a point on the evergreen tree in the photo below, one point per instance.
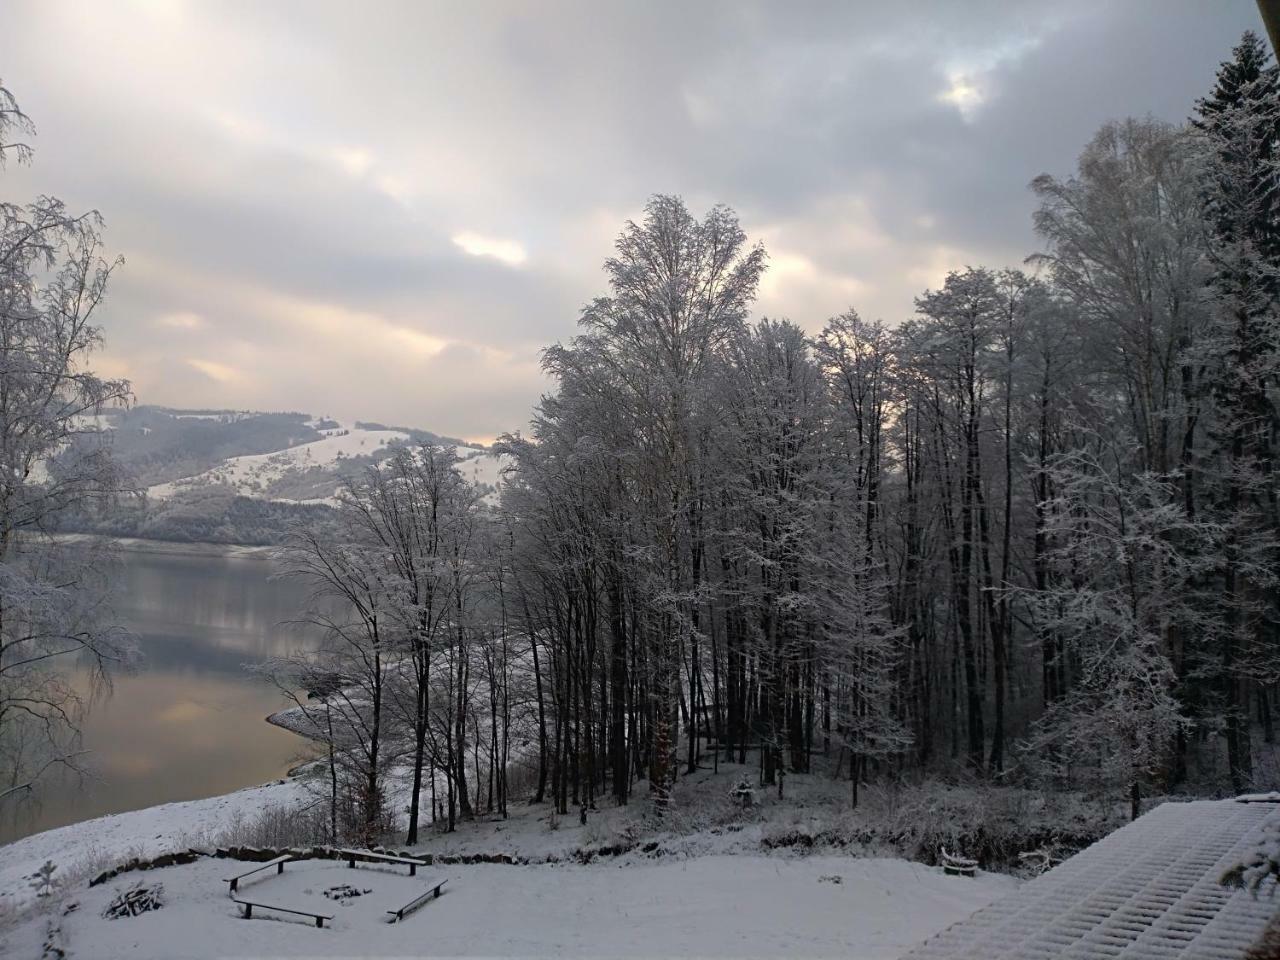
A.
x: 1240, y: 370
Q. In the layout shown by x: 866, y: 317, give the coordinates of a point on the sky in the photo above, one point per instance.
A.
x: 385, y: 211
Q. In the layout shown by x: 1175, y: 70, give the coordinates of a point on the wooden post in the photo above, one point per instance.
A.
x: 320, y: 922
x: 279, y: 868
x: 413, y: 869
x: 248, y: 911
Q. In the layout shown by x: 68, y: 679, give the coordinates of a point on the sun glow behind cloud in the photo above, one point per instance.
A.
x: 964, y: 94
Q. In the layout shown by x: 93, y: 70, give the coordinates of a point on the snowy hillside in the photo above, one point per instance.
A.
x: 480, y: 466
x: 256, y: 475
x: 279, y: 457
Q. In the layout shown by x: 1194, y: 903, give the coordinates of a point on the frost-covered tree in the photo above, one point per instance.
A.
x: 418, y: 510
x: 1125, y: 245
x: 351, y: 603
x: 769, y: 457
x: 1124, y: 560
x: 949, y: 352
x: 858, y: 647
x: 864, y: 639
x: 679, y: 291
x: 1239, y: 364
x: 56, y: 636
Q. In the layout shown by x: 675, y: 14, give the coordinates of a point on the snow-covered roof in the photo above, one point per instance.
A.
x: 1149, y: 890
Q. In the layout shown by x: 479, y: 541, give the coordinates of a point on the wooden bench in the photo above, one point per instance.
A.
x: 433, y: 890
x: 278, y: 863
x: 371, y: 857
x: 248, y: 905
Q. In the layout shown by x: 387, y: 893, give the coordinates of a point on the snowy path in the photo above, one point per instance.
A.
x: 735, y: 906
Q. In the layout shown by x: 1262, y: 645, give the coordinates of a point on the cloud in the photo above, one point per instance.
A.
x: 508, y: 251
x: 181, y: 320
x: 324, y: 210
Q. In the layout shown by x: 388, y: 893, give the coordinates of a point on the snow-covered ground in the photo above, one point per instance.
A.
x: 480, y: 466
x: 83, y: 849
x: 714, y: 906
x: 252, y: 474
x: 712, y: 879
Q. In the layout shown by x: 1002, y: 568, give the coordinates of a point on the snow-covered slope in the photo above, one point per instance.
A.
x: 81, y: 849
x: 480, y: 466
x: 310, y: 472
x: 253, y: 476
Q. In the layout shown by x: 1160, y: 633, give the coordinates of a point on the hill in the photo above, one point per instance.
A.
x: 239, y: 476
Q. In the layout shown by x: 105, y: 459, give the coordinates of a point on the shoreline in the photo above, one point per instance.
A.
x: 172, y: 547
x: 86, y: 845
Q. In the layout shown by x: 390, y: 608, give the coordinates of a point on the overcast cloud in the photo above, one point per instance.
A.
x: 384, y: 211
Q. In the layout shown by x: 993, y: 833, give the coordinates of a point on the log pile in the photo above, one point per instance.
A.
x: 137, y: 899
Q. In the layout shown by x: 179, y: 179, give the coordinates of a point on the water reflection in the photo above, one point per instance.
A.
x: 189, y: 723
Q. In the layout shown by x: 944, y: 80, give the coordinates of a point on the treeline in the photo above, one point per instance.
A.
x: 212, y: 513
x: 1029, y: 533
x: 156, y: 445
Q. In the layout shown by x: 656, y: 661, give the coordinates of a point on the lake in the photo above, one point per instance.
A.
x: 190, y: 722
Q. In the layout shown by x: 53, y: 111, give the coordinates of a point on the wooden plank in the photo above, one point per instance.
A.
x: 386, y: 857
x: 278, y: 863
x: 371, y: 857
x: 433, y: 890
x: 250, y: 904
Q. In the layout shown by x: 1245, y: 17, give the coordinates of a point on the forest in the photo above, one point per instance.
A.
x: 1027, y: 535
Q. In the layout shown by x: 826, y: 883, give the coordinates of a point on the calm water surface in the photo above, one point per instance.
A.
x: 189, y: 723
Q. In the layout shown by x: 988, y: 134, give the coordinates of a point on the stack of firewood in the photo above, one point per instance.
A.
x: 137, y: 899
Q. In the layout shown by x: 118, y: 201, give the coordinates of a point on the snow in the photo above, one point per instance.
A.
x: 252, y: 473
x: 1150, y: 890
x: 95, y: 845
x: 226, y: 416
x: 702, y: 883
x: 711, y: 906
x: 481, y: 467
x: 93, y: 422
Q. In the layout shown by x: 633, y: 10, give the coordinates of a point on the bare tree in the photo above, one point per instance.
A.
x: 350, y: 604
x: 54, y: 616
